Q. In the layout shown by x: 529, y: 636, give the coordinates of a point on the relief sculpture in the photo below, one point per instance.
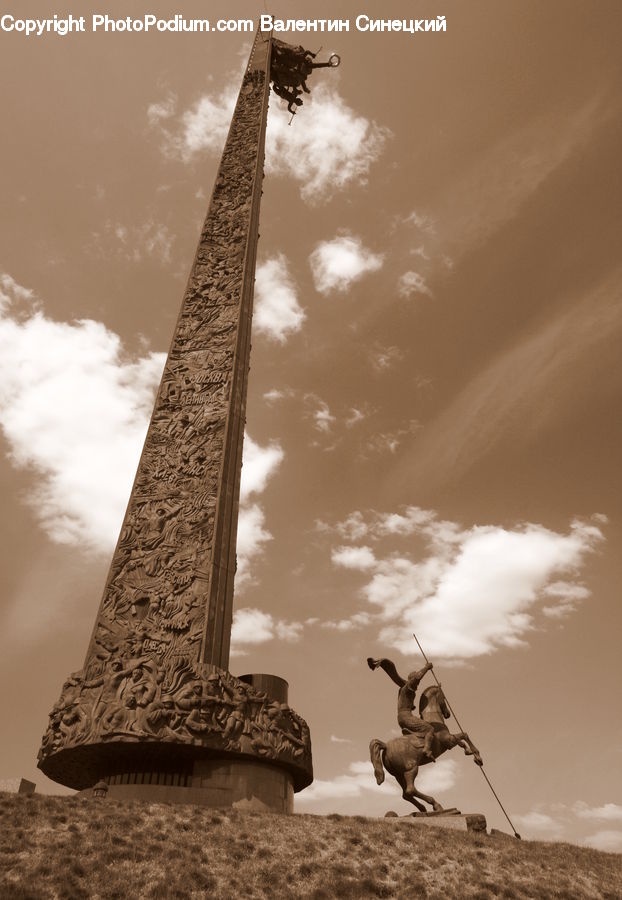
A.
x: 155, y: 671
x: 143, y: 699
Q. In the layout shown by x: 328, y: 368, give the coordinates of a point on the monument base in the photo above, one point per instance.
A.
x: 239, y: 784
x: 462, y: 822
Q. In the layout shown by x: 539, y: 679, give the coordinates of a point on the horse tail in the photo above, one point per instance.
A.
x: 376, y: 749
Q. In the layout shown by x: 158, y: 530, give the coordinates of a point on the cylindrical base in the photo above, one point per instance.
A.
x: 242, y: 784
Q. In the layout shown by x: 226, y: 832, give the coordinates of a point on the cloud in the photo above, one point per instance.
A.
x: 259, y: 464
x: 157, y: 112
x: 203, y: 127
x: 540, y: 825
x: 252, y: 626
x: 527, y: 387
x: 252, y: 535
x: 134, y: 243
x: 465, y: 592
x: 355, y: 416
x: 411, y: 283
x: 353, y: 557
x: 12, y: 293
x: 320, y: 412
x: 431, y: 780
x: 332, y: 149
x: 608, y: 841
x: 388, y: 441
x: 277, y: 311
x: 358, y: 620
x: 338, y: 263
x: 337, y: 740
x: 383, y: 358
x: 611, y: 812
x: 421, y: 221
x: 74, y: 408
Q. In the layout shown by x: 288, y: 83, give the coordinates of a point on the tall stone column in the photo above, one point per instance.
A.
x: 154, y: 711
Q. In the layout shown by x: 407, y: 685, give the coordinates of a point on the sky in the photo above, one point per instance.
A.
x: 433, y: 429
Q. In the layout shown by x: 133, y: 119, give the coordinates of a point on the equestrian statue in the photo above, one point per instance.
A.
x: 424, y: 737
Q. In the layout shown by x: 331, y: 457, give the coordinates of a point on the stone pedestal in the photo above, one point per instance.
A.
x: 237, y: 783
x: 462, y: 822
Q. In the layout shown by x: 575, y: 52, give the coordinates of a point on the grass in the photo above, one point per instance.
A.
x: 65, y: 848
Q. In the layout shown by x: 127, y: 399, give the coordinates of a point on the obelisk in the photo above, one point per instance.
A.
x: 155, y: 712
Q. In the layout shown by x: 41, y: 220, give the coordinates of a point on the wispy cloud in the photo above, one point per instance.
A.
x: 526, y: 388
x: 332, y: 150
x: 134, y: 243
x: 277, y: 310
x: 253, y: 626
x: 360, y: 777
x: 607, y: 840
x: 412, y: 283
x: 384, y: 358
x: 259, y: 465
x: 338, y: 263
x: 465, y: 592
x: 74, y: 407
x: 319, y: 411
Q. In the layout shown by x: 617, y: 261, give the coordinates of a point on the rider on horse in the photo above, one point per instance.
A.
x: 406, y: 719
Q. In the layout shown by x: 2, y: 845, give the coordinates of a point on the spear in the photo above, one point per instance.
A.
x: 480, y: 765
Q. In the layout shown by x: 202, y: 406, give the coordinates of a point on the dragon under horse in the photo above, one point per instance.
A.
x: 424, y: 737
x: 289, y: 69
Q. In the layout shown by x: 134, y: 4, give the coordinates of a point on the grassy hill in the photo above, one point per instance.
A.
x: 66, y: 847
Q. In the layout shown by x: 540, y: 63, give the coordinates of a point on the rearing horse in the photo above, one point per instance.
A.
x: 402, y: 756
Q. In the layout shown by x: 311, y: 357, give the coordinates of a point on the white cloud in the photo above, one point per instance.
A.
x: 157, y: 112
x: 74, y: 408
x: 330, y: 150
x: 134, y: 243
x: 353, y: 557
x: 337, y: 740
x: 358, y: 620
x: 320, y: 412
x: 412, y: 283
x: 259, y: 464
x: 277, y: 311
x: 12, y: 292
x: 419, y: 220
x: 608, y: 841
x: 332, y: 147
x: 383, y: 358
x: 431, y: 780
x: 470, y: 591
x: 252, y: 535
x: 540, y: 825
x: 338, y: 263
x: 252, y: 626
x: 356, y: 416
x: 203, y: 127
x: 611, y: 812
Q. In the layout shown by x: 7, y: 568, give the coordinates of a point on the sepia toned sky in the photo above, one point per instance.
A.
x: 433, y: 429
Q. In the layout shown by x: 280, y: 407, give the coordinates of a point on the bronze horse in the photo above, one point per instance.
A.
x: 402, y: 756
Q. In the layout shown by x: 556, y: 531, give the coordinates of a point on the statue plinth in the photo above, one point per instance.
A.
x: 205, y: 734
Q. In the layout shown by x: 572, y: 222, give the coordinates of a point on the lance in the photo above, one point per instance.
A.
x: 480, y: 765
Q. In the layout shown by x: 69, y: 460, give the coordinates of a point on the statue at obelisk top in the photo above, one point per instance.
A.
x: 155, y: 712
